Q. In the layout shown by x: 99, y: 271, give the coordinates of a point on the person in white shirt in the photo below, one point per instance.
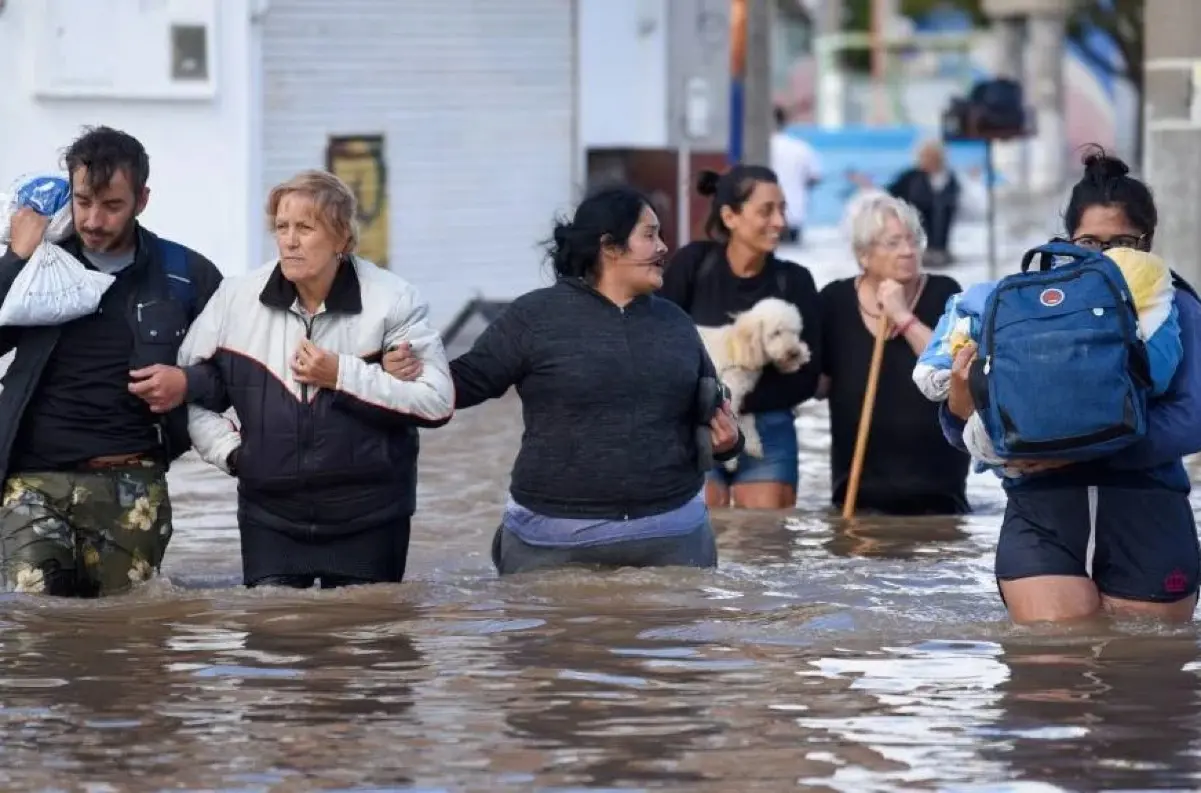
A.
x: 797, y: 166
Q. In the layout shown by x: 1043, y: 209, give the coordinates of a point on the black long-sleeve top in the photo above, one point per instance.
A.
x: 700, y: 281
x: 608, y: 398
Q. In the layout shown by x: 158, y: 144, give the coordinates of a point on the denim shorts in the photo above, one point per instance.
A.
x: 777, y: 430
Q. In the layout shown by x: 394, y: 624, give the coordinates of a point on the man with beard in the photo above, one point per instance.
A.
x: 89, y: 412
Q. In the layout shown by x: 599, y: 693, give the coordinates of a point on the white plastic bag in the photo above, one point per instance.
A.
x: 53, y: 287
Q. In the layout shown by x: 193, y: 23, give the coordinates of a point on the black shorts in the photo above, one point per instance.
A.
x: 1135, y: 544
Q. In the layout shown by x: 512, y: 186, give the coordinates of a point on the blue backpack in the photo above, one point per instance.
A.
x: 1062, y: 372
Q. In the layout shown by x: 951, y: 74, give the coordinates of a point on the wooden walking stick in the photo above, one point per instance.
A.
x: 865, y: 419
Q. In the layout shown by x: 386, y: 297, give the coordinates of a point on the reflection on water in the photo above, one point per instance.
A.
x: 823, y: 656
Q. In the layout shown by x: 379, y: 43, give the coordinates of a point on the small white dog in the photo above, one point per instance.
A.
x: 769, y: 333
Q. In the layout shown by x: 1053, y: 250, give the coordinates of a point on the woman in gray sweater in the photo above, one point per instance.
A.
x: 619, y: 398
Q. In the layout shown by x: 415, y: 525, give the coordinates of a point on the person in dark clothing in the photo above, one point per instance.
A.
x: 907, y: 470
x: 727, y: 274
x: 326, y: 457
x: 617, y: 400
x: 934, y: 191
x: 1115, y: 535
x: 89, y: 412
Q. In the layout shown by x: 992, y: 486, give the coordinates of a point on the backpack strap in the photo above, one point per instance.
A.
x: 179, y: 276
x: 781, y: 278
x: 706, y: 266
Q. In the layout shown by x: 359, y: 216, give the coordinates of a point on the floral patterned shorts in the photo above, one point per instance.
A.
x: 83, y: 533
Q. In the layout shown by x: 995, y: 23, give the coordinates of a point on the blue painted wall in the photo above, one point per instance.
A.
x: 879, y: 152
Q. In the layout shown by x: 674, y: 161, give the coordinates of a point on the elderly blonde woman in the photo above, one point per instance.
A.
x: 908, y: 470
x: 326, y: 455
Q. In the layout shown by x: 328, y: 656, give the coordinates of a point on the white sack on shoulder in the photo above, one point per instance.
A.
x: 53, y: 288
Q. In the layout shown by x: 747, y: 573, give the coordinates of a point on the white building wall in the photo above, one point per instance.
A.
x: 623, y: 73
x: 200, y: 148
x: 475, y: 101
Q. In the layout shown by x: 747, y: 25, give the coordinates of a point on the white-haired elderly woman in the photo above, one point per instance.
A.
x: 909, y: 468
x: 326, y: 454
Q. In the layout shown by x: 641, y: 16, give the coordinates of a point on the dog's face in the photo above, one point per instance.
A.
x: 771, y: 333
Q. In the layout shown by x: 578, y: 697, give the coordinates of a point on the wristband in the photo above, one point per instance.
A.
x: 904, y: 327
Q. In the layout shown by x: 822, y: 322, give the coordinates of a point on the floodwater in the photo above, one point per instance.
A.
x: 819, y: 657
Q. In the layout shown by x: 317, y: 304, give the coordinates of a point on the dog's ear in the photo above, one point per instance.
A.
x: 746, y: 342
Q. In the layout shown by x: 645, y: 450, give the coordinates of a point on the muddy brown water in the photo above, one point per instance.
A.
x: 817, y: 657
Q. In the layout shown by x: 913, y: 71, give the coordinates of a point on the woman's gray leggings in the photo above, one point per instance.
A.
x: 696, y: 549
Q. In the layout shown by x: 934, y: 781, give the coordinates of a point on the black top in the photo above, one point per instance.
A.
x: 909, y: 467
x: 700, y: 281
x: 81, y: 407
x: 608, y: 397
x: 936, y: 208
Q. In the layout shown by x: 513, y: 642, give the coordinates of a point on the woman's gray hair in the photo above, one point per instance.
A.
x: 336, y: 206
x: 868, y: 214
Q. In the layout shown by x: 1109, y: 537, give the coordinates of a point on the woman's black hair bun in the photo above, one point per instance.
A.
x: 1103, y: 167
x: 562, y: 234
x: 706, y: 182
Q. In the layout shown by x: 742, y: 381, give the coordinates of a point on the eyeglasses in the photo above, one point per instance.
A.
x: 1091, y: 243
x: 895, y: 243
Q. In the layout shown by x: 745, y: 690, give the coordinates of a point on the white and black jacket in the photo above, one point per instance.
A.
x: 309, y: 460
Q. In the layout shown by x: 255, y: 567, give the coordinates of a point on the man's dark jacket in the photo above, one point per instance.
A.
x: 158, y: 320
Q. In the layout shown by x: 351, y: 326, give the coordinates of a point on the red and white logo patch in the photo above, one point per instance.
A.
x: 1051, y: 297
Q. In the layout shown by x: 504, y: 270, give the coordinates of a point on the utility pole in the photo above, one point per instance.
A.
x: 879, y: 65
x: 759, y: 119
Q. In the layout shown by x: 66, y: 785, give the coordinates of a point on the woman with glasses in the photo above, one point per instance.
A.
x: 909, y: 469
x: 1115, y: 535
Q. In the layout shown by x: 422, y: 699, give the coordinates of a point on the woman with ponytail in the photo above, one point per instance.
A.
x: 1116, y: 535
x: 729, y: 273
x: 618, y: 397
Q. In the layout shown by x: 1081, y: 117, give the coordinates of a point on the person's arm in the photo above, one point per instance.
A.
x: 367, y: 390
x: 917, y: 334
x: 709, y: 370
x: 498, y: 360
x: 1174, y: 419
x: 801, y: 385
x: 952, y: 427
x: 10, y: 267
x: 206, y: 387
x: 826, y: 317
x: 899, y: 187
x: 214, y: 437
